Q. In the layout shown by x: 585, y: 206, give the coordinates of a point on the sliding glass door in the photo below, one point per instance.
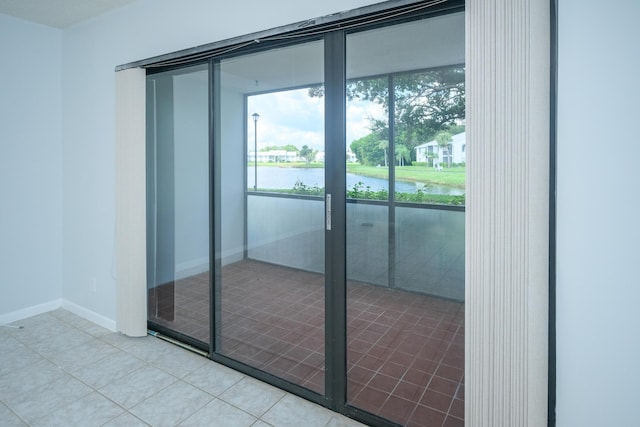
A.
x: 269, y: 217
x: 306, y: 215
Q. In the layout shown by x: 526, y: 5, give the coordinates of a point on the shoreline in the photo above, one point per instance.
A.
x: 448, y: 177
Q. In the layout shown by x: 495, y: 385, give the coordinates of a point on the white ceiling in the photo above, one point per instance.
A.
x: 58, y: 13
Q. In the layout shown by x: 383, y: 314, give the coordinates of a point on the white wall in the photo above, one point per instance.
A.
x: 30, y: 166
x: 598, y: 281
x: 90, y: 53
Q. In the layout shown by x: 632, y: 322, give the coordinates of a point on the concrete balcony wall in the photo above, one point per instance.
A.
x: 429, y: 243
x: 430, y: 251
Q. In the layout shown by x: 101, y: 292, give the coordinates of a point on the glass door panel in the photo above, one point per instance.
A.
x: 405, y: 328
x: 178, y: 202
x: 270, y: 212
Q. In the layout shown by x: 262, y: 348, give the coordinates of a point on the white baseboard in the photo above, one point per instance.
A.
x: 91, y: 316
x: 34, y: 310
x: 231, y: 257
x: 74, y: 308
x: 191, y: 268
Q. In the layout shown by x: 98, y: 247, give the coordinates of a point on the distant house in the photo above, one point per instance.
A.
x: 351, y: 156
x: 430, y: 153
x: 279, y: 156
x: 274, y: 156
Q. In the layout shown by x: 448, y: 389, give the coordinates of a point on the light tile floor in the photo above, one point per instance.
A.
x: 62, y: 370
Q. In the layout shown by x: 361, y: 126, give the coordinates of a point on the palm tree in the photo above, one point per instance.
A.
x: 430, y: 157
x: 383, y: 145
x: 443, y: 139
x: 402, y: 154
x: 307, y: 153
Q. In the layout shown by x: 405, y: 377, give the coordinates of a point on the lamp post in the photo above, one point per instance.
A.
x: 255, y: 116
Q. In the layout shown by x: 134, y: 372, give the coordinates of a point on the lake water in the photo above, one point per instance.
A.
x: 281, y: 178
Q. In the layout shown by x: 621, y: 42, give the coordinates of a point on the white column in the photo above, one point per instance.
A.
x: 507, y: 214
x: 131, y: 251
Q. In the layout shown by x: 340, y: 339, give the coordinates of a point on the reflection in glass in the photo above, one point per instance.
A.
x: 178, y: 201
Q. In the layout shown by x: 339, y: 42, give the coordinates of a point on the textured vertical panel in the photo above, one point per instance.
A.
x: 130, y: 202
x: 507, y: 212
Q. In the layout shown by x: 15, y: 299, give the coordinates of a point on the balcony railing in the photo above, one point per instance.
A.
x: 423, y: 252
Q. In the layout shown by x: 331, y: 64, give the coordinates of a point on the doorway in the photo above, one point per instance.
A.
x: 296, y: 235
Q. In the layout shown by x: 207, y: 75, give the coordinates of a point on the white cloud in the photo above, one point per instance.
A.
x: 358, y: 115
x: 293, y: 117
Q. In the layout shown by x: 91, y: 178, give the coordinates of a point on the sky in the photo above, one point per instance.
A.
x: 293, y: 117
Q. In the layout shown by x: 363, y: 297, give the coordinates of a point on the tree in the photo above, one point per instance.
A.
x: 307, y: 153
x: 456, y: 129
x: 430, y: 157
x: 424, y: 103
x: 402, y: 154
x: 288, y: 147
x: 383, y: 145
x: 367, y: 150
x: 443, y: 139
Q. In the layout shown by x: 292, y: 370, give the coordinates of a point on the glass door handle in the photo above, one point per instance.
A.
x: 328, y: 211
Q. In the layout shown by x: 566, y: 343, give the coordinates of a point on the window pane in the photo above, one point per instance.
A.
x: 429, y: 136
x: 178, y: 201
x: 405, y: 257
x: 368, y: 139
x: 286, y: 142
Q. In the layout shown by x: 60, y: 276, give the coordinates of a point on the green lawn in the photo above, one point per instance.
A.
x: 454, y: 177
